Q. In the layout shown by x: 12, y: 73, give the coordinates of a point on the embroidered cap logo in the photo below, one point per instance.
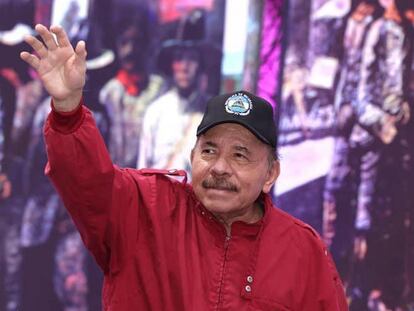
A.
x: 239, y: 104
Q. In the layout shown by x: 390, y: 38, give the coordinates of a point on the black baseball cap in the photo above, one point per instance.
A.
x: 244, y: 108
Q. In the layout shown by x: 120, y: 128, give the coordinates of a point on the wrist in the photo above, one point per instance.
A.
x: 68, y: 104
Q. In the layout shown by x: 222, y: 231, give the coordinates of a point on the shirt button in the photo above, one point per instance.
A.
x: 248, y: 288
x: 250, y: 279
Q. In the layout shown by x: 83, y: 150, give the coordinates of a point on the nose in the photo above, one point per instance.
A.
x: 221, y: 167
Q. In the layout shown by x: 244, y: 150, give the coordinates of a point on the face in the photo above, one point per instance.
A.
x: 386, y: 3
x: 230, y: 168
x: 185, y: 66
x: 363, y: 10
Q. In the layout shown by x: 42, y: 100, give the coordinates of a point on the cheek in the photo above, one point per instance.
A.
x: 253, y: 183
x: 177, y: 66
x: 193, y: 68
x: 198, y: 171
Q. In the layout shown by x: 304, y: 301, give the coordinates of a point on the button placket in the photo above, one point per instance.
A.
x: 248, y: 287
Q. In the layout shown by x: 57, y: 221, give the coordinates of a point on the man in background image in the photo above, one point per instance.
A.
x: 127, y: 95
x: 373, y: 165
x: 338, y: 207
x: 170, y: 122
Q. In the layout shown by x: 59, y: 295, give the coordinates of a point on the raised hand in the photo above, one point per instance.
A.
x: 61, y: 68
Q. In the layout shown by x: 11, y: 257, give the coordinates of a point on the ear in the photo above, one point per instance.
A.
x: 272, y: 175
x: 192, y: 156
x: 193, y: 152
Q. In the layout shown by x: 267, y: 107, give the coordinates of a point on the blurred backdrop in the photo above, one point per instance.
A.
x: 338, y: 72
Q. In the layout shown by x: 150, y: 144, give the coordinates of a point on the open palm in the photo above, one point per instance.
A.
x: 60, y: 68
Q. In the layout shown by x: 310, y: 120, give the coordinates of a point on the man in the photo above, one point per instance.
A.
x: 16, y: 19
x: 381, y: 113
x: 368, y: 154
x: 167, y: 245
x: 127, y: 95
x: 339, y: 212
x: 182, y: 60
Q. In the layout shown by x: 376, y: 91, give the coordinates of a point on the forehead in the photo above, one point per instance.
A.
x: 187, y: 53
x: 231, y: 133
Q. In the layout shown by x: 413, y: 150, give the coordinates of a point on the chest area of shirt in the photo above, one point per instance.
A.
x: 228, y: 273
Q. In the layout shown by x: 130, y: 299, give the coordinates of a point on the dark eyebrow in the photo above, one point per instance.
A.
x: 209, y: 144
x: 242, y: 149
x: 238, y: 148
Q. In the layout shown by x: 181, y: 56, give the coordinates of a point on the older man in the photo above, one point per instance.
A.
x: 163, y: 244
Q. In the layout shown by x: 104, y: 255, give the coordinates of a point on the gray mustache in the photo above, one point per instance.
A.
x: 219, y: 184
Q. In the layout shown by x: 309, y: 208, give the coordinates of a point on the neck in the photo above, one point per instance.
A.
x: 251, y: 215
x: 185, y: 93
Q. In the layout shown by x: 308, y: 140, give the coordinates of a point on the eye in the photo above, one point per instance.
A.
x: 207, y: 151
x: 240, y: 156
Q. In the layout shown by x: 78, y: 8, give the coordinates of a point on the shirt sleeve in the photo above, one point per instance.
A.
x: 98, y: 195
x: 368, y: 113
x: 381, y: 90
x: 323, y: 290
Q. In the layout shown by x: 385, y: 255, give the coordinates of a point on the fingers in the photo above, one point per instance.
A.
x: 30, y: 59
x: 47, y: 37
x: 50, y: 43
x: 62, y: 38
x: 80, y: 51
x: 37, y: 46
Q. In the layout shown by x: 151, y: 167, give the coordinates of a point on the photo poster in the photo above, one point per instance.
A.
x: 43, y: 263
x: 345, y: 139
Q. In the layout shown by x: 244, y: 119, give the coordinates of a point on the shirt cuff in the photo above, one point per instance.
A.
x: 66, y: 122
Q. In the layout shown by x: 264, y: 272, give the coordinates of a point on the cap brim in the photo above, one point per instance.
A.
x: 247, y: 126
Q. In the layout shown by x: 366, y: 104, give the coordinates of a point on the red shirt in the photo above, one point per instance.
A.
x: 160, y: 249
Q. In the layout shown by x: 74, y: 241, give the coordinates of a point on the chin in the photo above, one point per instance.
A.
x: 217, y: 206
x: 215, y: 209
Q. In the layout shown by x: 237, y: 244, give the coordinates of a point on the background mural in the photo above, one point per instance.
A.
x: 346, y: 139
x: 338, y: 72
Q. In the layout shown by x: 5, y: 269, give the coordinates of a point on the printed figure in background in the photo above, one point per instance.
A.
x: 383, y: 113
x: 127, y: 95
x: 170, y: 122
x: 9, y: 255
x: 338, y: 190
x: 16, y: 21
x: 294, y: 110
x: 322, y: 61
x: 368, y: 139
x: 48, y: 234
x: 407, y: 143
